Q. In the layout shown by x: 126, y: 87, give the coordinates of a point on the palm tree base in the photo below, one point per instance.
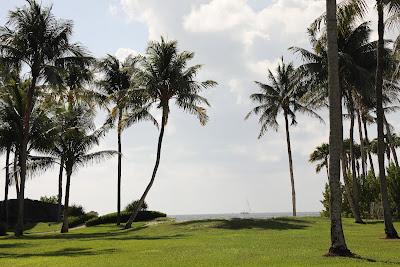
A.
x: 64, y: 229
x: 392, y: 236
x: 128, y: 226
x: 339, y: 252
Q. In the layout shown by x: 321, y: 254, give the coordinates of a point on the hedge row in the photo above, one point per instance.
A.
x: 144, y: 215
x: 77, y: 221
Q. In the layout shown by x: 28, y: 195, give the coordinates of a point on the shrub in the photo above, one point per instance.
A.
x: 393, y: 180
x: 112, y: 217
x: 50, y: 199
x: 77, y: 221
x: 131, y: 206
x: 76, y: 211
x: 3, y: 229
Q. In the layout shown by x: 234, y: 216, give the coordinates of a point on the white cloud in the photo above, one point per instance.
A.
x: 123, y: 53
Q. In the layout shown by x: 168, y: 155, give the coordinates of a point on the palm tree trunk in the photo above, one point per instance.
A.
x: 338, y: 243
x: 119, y: 167
x: 290, y: 164
x: 347, y: 185
x: 390, y: 141
x: 23, y: 155
x: 142, y: 199
x: 371, y: 162
x: 356, y: 187
x: 65, y: 226
x: 16, y: 174
x: 387, y: 213
x: 327, y: 167
x: 7, y: 184
x: 60, y: 179
x: 360, y: 133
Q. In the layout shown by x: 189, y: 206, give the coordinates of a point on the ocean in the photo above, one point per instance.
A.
x: 227, y: 216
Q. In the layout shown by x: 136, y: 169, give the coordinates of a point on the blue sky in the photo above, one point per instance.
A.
x: 211, y: 169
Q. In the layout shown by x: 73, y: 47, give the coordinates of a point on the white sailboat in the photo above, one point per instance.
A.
x: 248, y: 211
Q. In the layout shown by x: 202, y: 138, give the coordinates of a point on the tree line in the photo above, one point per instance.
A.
x: 344, y: 69
x: 49, y: 97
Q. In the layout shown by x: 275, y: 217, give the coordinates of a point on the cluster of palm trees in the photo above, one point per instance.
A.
x: 344, y: 69
x: 50, y: 89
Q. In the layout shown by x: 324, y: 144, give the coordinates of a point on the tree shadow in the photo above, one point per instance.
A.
x: 13, y: 245
x: 68, y: 252
x: 240, y: 223
x: 360, y: 258
x: 161, y: 237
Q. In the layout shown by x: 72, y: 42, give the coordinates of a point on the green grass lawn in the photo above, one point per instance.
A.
x: 278, y: 242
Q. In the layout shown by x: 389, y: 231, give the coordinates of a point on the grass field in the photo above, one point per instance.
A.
x: 275, y: 242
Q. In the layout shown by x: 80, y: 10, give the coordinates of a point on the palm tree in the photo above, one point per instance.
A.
x: 77, y: 140
x: 321, y: 155
x: 165, y: 75
x: 284, y: 94
x: 356, y: 64
x: 393, y: 7
x: 35, y: 38
x: 116, y: 84
x: 338, y: 243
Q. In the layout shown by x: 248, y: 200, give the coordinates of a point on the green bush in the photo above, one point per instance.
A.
x: 131, y: 206
x: 76, y: 211
x: 112, y: 217
x: 3, y: 229
x: 80, y: 220
x: 50, y: 199
x: 393, y: 180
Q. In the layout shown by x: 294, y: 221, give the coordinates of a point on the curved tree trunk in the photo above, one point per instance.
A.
x: 142, y: 199
x: 362, y: 148
x: 65, y: 226
x: 59, y: 200
x: 356, y: 187
x: 390, y: 142
x: 6, y: 186
x: 16, y: 173
x: 347, y: 185
x: 290, y: 164
x: 387, y: 213
x: 338, y: 243
x: 119, y: 168
x: 371, y: 162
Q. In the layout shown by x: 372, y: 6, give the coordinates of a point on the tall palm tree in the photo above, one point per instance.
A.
x: 78, y: 139
x: 118, y: 78
x: 166, y: 76
x: 37, y: 39
x: 393, y: 7
x: 338, y: 243
x: 356, y: 63
x: 321, y: 155
x: 283, y: 94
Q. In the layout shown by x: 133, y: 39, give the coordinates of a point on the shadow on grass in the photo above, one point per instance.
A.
x: 68, y: 252
x: 360, y: 258
x: 13, y: 245
x: 239, y: 223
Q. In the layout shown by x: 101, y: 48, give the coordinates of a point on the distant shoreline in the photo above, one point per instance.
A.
x: 227, y: 216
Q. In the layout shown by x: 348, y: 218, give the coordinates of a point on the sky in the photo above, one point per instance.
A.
x: 219, y: 167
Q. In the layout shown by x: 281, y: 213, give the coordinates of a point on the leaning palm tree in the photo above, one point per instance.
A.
x: 338, y: 243
x: 34, y: 37
x: 321, y: 155
x: 165, y: 76
x: 118, y: 78
x: 282, y: 94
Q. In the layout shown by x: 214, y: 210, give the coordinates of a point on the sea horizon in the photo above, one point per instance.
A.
x: 250, y: 215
